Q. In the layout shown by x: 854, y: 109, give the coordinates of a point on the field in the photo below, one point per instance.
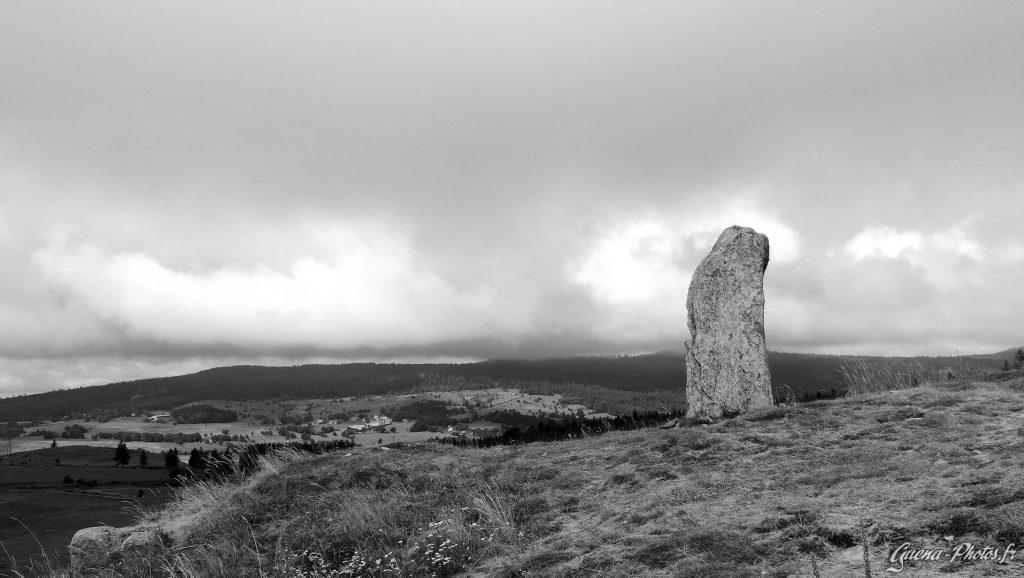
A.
x: 40, y: 512
x: 45, y: 520
x: 402, y: 434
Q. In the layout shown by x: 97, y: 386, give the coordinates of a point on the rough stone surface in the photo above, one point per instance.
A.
x: 726, y: 358
x: 91, y: 547
x: 95, y: 547
x: 142, y: 540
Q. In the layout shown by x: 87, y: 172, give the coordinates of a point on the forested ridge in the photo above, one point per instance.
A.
x: 802, y: 374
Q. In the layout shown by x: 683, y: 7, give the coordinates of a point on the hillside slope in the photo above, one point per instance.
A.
x: 784, y: 491
x: 796, y: 373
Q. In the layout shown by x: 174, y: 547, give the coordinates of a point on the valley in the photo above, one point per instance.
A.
x: 81, y: 485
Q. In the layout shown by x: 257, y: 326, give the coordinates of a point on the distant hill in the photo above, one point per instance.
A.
x: 802, y: 373
x: 1000, y: 356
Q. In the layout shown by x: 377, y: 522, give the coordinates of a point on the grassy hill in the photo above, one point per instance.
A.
x: 800, y: 373
x: 800, y: 490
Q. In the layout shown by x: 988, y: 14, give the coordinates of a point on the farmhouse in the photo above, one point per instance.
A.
x: 379, y: 420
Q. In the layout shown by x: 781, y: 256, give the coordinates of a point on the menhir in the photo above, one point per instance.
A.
x: 726, y: 359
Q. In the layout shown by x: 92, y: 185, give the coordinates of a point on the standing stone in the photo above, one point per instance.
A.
x: 726, y: 359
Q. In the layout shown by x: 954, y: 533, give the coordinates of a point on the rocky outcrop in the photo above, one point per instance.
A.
x: 726, y: 358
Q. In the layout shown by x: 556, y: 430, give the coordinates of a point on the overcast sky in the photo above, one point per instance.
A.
x: 185, y: 185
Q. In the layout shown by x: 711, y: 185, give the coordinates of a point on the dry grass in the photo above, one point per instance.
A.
x: 859, y: 377
x: 805, y: 490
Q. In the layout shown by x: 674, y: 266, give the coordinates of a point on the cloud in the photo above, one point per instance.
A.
x: 1013, y: 252
x: 636, y: 260
x: 632, y: 264
x: 892, y: 291
x: 882, y: 242
x: 946, y: 258
x: 369, y: 293
x: 637, y: 271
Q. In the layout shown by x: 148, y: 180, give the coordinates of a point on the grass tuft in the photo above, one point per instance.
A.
x: 860, y: 378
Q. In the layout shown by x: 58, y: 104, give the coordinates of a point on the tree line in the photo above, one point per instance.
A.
x: 1018, y: 361
x: 215, y: 465
x: 174, y: 438
x: 558, y: 429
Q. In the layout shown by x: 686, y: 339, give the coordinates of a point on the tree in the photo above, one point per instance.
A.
x: 1018, y: 360
x: 74, y: 431
x: 143, y: 457
x: 171, y: 458
x: 121, y: 455
x: 1006, y: 365
x: 195, y: 459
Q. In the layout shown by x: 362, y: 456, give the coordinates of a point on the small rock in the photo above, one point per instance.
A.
x: 852, y: 554
x: 91, y: 546
x: 97, y: 546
